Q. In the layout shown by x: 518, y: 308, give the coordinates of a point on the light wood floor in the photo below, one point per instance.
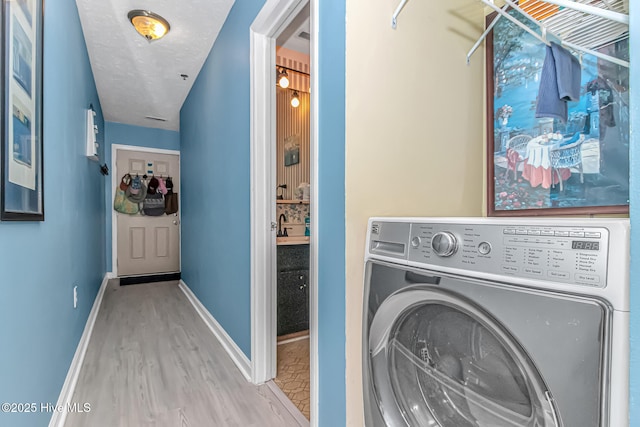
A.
x: 152, y: 361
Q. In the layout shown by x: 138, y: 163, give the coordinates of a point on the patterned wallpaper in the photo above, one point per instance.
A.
x: 295, y: 213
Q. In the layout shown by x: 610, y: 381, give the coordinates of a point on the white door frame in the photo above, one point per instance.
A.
x: 272, y: 19
x: 115, y: 180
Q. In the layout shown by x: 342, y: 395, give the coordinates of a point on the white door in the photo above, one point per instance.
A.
x: 148, y: 244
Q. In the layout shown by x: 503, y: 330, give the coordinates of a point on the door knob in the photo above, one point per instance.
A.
x: 175, y: 222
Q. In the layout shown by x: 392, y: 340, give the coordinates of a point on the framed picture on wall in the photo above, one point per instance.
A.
x: 538, y: 163
x: 21, y: 187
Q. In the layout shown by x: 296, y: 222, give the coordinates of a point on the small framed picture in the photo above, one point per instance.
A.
x: 292, y: 150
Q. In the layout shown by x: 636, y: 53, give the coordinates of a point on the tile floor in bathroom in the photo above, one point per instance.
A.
x: 293, y: 373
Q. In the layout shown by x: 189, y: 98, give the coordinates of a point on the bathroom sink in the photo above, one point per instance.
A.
x: 292, y: 240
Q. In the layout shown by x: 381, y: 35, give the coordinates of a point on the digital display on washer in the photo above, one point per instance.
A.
x: 585, y: 245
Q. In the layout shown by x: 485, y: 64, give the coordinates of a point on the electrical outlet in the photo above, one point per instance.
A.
x: 75, y: 296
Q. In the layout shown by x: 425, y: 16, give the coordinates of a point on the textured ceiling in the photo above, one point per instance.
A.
x: 290, y: 37
x: 137, y: 79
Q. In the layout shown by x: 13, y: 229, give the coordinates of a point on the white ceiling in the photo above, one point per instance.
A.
x: 290, y: 37
x: 137, y: 79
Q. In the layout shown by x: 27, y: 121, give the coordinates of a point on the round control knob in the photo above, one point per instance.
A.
x: 484, y: 248
x: 415, y: 242
x: 444, y: 244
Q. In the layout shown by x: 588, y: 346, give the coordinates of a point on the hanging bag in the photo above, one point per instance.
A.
x: 153, y: 204
x: 170, y: 199
x: 120, y: 202
x: 171, y: 203
x: 137, y: 191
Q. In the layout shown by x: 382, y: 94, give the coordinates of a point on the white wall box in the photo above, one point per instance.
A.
x: 92, y: 131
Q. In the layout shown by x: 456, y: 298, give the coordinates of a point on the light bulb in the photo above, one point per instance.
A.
x: 283, y: 79
x: 295, y: 100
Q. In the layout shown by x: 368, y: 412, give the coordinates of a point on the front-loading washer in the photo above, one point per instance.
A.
x: 477, y: 322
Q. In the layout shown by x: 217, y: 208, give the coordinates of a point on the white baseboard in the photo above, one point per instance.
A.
x: 69, y: 386
x: 288, y: 404
x: 238, y: 357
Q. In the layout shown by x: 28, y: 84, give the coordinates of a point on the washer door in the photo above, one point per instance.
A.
x: 437, y: 359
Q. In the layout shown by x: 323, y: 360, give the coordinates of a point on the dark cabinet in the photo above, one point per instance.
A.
x: 293, y: 288
x: 293, y: 301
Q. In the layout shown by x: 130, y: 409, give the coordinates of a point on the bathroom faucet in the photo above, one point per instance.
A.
x: 280, y: 233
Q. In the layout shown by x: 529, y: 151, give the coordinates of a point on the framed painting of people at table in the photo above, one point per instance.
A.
x: 21, y: 186
x: 557, y: 126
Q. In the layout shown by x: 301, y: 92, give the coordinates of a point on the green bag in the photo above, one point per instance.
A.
x: 120, y: 202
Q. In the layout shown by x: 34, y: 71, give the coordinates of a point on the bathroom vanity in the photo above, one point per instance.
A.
x: 293, y: 284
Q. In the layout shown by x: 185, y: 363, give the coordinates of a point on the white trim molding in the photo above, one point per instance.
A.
x: 115, y: 180
x: 142, y: 149
x: 288, y: 404
x: 232, y: 349
x: 263, y: 319
x: 68, y: 388
x: 315, y: 219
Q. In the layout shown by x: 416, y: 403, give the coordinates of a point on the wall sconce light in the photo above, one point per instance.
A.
x: 283, y: 78
x: 151, y: 26
x: 278, y: 188
x: 295, y: 99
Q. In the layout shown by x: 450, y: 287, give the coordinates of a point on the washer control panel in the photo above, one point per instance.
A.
x: 575, y: 255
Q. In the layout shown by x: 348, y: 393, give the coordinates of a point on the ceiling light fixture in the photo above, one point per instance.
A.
x: 283, y: 78
x: 295, y: 99
x: 151, y: 26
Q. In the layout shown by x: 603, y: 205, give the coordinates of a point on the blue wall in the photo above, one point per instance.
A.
x: 331, y: 221
x: 40, y: 262
x: 118, y: 133
x: 215, y: 170
x: 215, y: 142
x: 121, y: 134
x: 635, y: 212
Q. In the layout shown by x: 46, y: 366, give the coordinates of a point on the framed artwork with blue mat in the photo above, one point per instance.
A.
x: 21, y: 187
x: 547, y: 157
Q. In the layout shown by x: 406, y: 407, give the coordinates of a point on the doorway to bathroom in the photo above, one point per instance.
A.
x: 283, y: 202
x: 293, y: 173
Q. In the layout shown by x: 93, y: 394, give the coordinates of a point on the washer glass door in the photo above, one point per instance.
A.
x: 445, y: 362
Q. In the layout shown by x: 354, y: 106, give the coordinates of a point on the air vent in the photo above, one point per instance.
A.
x: 158, y: 119
x: 375, y: 228
x: 304, y: 35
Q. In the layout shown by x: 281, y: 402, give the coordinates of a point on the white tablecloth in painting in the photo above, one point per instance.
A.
x: 539, y: 152
x: 537, y: 164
